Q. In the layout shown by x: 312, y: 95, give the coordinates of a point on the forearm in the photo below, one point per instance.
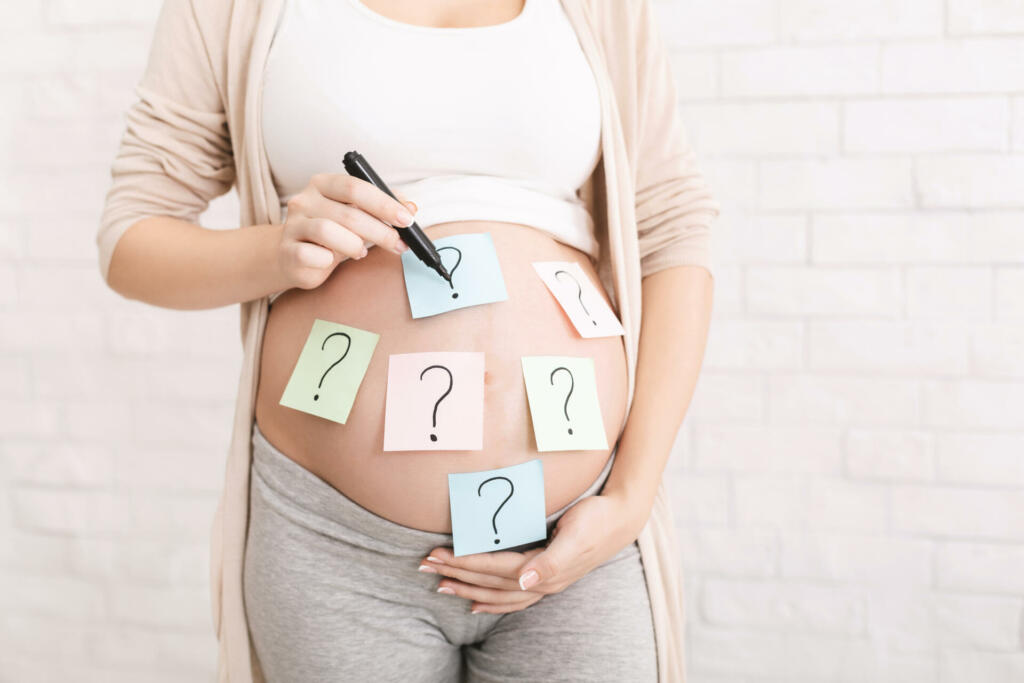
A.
x: 175, y: 264
x: 676, y: 316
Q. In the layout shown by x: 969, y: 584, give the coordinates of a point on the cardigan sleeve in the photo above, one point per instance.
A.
x: 674, y: 207
x: 175, y: 155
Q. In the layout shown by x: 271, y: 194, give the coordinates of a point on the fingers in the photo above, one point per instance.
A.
x: 308, y: 255
x: 409, y: 204
x: 494, y: 591
x: 371, y: 199
x: 490, y: 596
x: 327, y: 233
x: 503, y: 563
x: 337, y: 217
x: 307, y: 264
x: 549, y: 571
x: 356, y: 220
x: 475, y: 578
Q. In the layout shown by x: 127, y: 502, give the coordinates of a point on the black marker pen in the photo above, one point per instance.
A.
x: 418, y: 242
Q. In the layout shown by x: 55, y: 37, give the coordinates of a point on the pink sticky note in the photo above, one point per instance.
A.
x: 579, y: 298
x: 435, y: 402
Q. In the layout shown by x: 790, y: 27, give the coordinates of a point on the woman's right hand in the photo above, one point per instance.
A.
x: 336, y: 216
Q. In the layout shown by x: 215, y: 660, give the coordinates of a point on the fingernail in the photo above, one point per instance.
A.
x: 446, y: 590
x: 363, y: 253
x: 404, y: 218
x: 434, y: 559
x: 476, y: 611
x: 428, y: 570
x: 528, y: 579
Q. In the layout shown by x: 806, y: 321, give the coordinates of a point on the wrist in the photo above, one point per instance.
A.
x: 266, y: 273
x: 636, y: 509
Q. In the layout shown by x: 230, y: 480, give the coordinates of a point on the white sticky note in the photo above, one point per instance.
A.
x: 579, y: 298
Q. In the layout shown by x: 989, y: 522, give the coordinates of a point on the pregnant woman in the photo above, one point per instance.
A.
x: 549, y: 125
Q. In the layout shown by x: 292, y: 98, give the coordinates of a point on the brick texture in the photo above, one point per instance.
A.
x: 863, y: 388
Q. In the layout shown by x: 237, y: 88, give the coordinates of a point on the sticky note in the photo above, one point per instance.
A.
x: 435, y: 402
x: 579, y: 298
x: 497, y: 509
x: 564, y: 408
x: 476, y: 276
x: 329, y: 370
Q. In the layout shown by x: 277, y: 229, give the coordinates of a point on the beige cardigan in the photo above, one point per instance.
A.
x: 195, y: 131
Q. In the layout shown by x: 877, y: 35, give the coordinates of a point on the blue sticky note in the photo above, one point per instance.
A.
x: 497, y: 509
x: 476, y: 276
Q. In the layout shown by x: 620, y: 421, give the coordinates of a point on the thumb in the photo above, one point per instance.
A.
x: 544, y: 566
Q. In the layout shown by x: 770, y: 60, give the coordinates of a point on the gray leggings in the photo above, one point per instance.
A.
x: 332, y: 593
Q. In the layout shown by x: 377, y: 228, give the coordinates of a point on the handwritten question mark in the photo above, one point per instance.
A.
x: 451, y: 383
x: 572, y: 385
x: 316, y: 397
x: 455, y: 295
x: 494, y: 517
x: 579, y: 292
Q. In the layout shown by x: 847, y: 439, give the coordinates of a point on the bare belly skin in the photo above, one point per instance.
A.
x: 411, y: 487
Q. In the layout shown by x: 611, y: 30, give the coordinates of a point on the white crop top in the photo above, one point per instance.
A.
x: 497, y: 122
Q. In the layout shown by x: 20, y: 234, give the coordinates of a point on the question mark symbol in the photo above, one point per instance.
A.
x: 455, y: 295
x: 451, y: 383
x: 316, y: 397
x: 579, y: 292
x: 494, y: 517
x: 572, y: 385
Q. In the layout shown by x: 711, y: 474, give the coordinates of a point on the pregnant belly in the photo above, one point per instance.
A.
x: 411, y: 487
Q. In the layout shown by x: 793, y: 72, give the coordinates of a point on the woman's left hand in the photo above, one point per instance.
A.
x: 588, y: 534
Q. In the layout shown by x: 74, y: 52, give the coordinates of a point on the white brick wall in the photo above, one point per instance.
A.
x: 862, y: 396
x: 849, y: 487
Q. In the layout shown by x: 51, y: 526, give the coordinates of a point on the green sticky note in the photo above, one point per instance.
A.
x: 329, y: 370
x: 566, y: 414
